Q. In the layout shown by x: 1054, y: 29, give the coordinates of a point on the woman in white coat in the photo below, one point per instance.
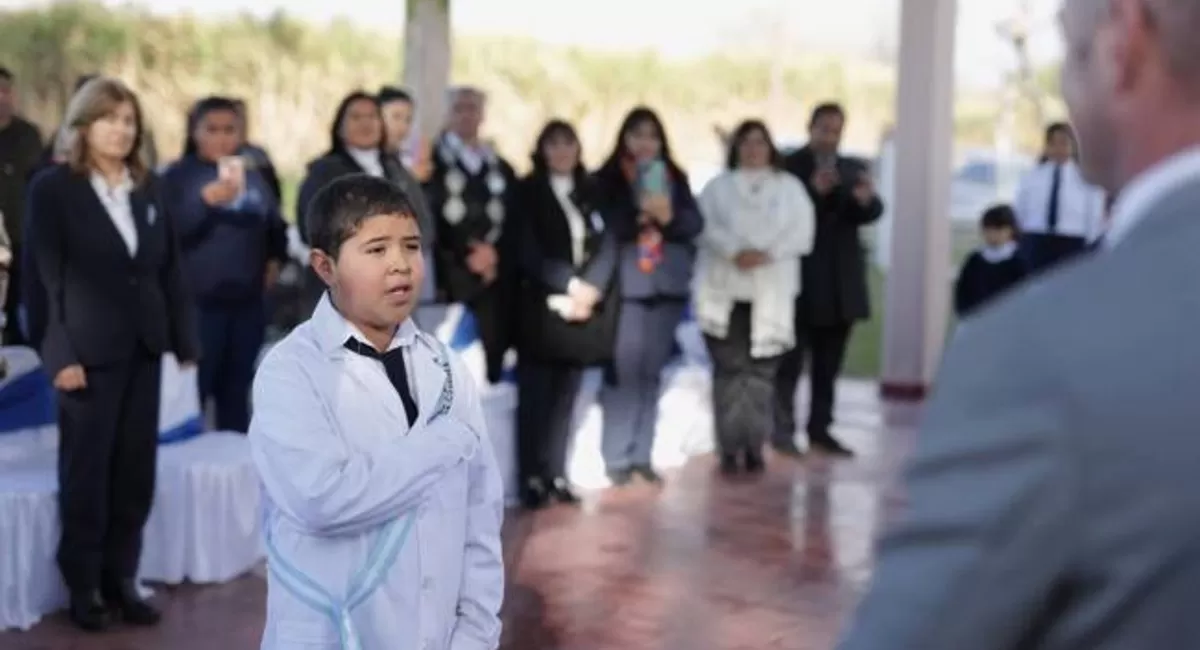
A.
x: 758, y: 223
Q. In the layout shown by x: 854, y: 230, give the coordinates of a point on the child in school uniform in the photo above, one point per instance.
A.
x: 993, y: 268
x: 383, y: 498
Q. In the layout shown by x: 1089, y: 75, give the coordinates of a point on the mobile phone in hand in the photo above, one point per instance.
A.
x: 232, y: 169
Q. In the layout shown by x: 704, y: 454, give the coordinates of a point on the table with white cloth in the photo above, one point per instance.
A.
x: 203, y: 526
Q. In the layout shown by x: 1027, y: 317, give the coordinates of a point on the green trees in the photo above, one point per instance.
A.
x: 292, y: 74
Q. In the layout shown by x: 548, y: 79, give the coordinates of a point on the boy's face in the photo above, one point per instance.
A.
x: 997, y: 236
x: 378, y: 273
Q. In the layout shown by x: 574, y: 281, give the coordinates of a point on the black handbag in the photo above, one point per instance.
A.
x: 545, y: 336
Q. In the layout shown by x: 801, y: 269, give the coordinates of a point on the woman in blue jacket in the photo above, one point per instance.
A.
x: 233, y: 241
x: 648, y: 205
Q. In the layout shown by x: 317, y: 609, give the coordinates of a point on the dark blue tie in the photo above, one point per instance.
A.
x: 397, y: 373
x: 1052, y: 209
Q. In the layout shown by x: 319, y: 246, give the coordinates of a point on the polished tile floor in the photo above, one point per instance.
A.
x: 704, y: 564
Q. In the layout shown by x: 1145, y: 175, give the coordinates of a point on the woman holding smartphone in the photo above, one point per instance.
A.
x: 648, y: 205
x: 233, y: 242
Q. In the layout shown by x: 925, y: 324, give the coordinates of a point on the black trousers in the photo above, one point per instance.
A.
x: 546, y: 396
x: 106, y: 463
x: 743, y: 388
x: 825, y: 346
x: 491, y: 319
x: 13, y: 334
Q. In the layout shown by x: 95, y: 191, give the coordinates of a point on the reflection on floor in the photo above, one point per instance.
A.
x: 705, y: 564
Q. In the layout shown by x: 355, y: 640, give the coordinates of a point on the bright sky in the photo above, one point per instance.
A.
x: 695, y: 26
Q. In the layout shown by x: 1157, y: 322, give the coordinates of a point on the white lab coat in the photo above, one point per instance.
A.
x: 378, y: 537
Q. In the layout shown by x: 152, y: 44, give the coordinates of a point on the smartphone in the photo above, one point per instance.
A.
x: 652, y: 178
x: 233, y: 169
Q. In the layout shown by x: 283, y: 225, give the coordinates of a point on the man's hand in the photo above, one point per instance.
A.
x: 271, y: 277
x: 71, y: 378
x: 658, y: 208
x: 422, y: 167
x: 864, y: 190
x: 749, y: 259
x: 824, y: 180
x: 482, y: 259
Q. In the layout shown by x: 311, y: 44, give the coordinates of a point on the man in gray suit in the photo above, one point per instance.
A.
x: 1054, y: 498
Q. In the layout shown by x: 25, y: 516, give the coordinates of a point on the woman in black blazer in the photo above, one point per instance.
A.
x: 567, y: 308
x: 106, y: 253
x: 358, y: 145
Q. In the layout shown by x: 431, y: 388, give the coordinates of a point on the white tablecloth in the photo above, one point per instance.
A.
x: 204, y: 526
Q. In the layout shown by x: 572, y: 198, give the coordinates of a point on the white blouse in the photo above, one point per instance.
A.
x: 1080, y: 204
x: 115, y: 199
x: 563, y: 185
x: 368, y: 159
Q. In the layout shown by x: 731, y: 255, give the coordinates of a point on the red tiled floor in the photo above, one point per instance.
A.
x: 705, y: 564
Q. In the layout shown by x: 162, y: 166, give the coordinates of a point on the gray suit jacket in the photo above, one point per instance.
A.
x: 1054, y: 496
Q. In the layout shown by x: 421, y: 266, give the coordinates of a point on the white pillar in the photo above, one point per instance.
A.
x: 885, y: 184
x: 918, y: 280
x: 427, y: 62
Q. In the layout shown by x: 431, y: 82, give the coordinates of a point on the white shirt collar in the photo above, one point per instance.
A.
x: 1139, y: 195
x: 331, y: 329
x: 368, y: 159
x: 1000, y: 253
x: 562, y: 184
x: 118, y: 191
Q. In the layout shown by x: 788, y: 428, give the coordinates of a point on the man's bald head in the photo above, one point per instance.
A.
x: 1131, y: 79
x: 466, y: 104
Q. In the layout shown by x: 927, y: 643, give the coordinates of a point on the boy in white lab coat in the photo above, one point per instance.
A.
x: 383, y: 499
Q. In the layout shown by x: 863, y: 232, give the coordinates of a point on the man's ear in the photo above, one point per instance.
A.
x: 322, y: 264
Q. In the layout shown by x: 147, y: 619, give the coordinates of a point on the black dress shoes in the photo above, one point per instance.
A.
x: 620, y: 477
x: 534, y: 494
x: 647, y: 474
x: 129, y: 605
x: 729, y: 465
x: 753, y: 460
x: 830, y: 445
x: 561, y: 491
x: 88, y: 611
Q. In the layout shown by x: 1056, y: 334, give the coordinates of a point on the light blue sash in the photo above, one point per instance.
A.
x: 382, y: 556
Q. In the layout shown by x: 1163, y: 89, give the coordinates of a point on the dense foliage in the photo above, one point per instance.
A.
x: 293, y: 74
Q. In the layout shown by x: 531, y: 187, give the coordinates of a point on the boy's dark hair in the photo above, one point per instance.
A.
x: 340, y: 208
x: 826, y: 108
x: 389, y: 94
x: 6, y: 74
x: 997, y: 217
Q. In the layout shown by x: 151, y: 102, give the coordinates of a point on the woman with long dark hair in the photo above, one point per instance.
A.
x: 107, y: 254
x: 233, y: 241
x: 567, y: 307
x: 358, y: 145
x: 648, y: 205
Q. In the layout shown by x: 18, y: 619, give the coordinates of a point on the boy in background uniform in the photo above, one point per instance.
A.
x: 383, y: 498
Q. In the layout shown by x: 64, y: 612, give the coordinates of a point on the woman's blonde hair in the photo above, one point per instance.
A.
x: 94, y: 101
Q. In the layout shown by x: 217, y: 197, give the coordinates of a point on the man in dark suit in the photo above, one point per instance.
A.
x: 1052, y: 502
x: 833, y: 293
x: 20, y: 151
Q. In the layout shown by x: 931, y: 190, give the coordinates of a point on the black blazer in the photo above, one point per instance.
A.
x: 835, y: 272
x: 546, y: 266
x: 102, y: 303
